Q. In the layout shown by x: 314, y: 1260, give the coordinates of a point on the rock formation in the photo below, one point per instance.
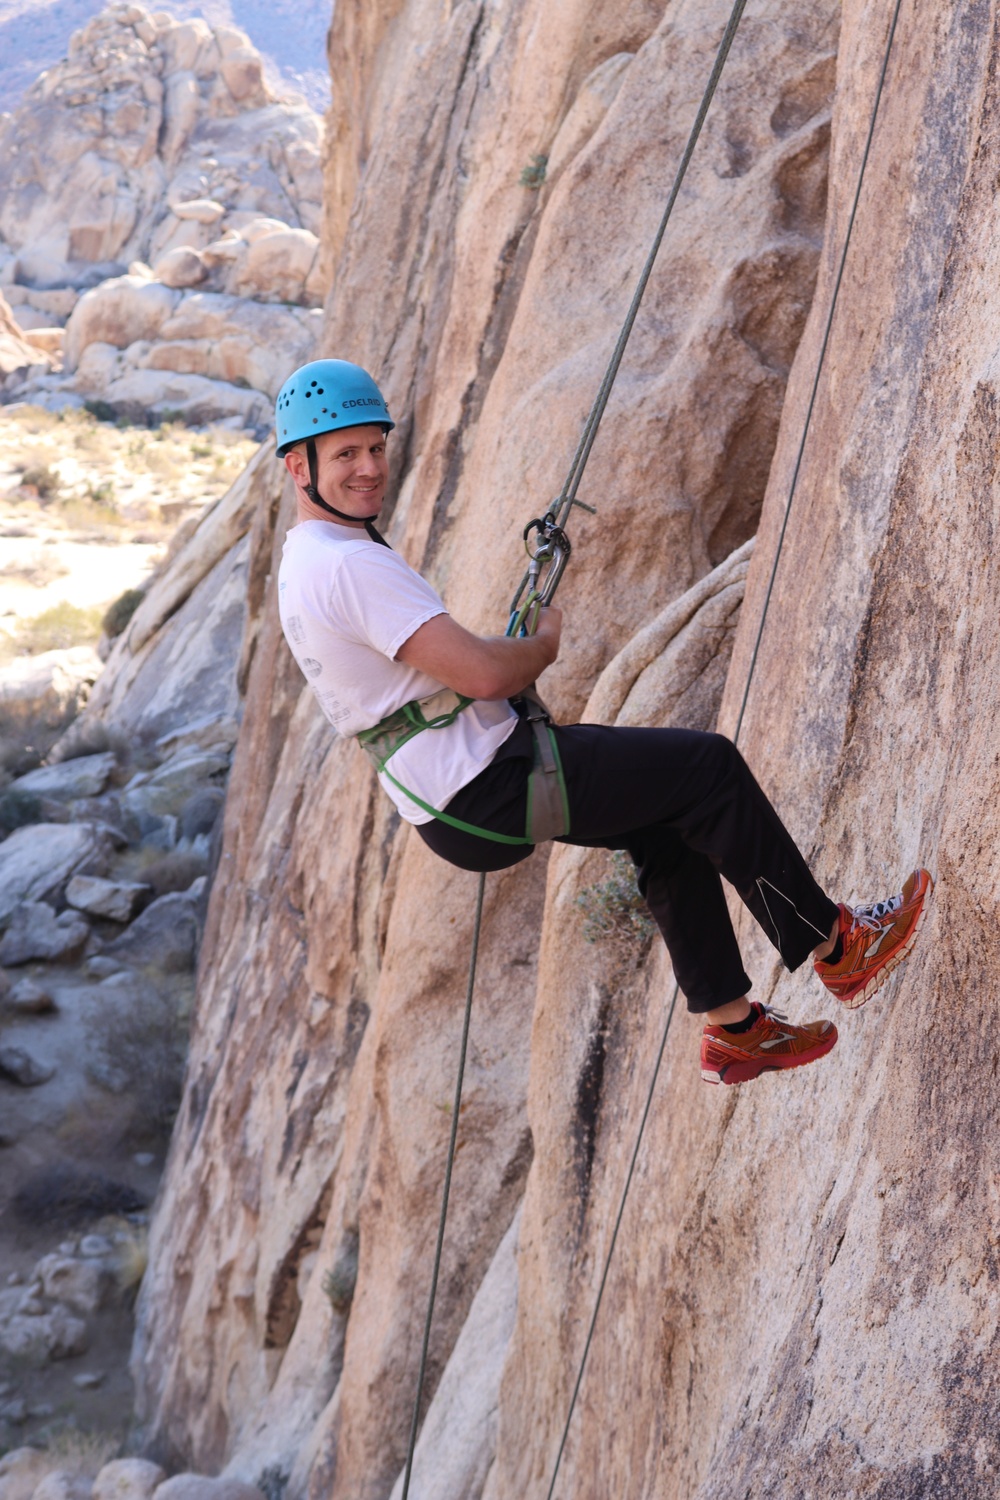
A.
x: 152, y: 161
x: 803, y: 1299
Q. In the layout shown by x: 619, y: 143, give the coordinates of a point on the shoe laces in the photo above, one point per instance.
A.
x: 772, y: 1014
x: 875, y: 912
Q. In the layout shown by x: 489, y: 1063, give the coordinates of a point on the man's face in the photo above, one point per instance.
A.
x: 353, y: 469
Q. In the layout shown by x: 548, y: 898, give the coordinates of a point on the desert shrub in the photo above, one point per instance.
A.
x: 131, y: 1260
x: 102, y: 410
x: 273, y: 1481
x: 613, y: 910
x: 18, y: 809
x: 338, y: 1284
x: 78, y: 1452
x: 65, y: 1195
x: 45, y: 480
x: 118, y: 614
x: 57, y: 628
x: 533, y: 175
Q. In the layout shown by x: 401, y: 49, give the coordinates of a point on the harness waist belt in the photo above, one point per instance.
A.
x: 548, y: 806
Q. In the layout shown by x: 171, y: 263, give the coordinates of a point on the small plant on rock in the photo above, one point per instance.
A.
x: 533, y: 175
x: 613, y: 910
x: 119, y: 613
x: 338, y: 1284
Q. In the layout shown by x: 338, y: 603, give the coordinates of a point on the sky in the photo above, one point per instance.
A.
x: 290, y: 33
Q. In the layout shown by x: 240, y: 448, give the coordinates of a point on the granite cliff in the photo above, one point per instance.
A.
x: 804, y: 1298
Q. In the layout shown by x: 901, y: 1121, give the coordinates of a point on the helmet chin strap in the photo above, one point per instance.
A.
x: 317, y: 498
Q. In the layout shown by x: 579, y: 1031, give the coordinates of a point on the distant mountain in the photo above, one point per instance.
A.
x: 291, y: 35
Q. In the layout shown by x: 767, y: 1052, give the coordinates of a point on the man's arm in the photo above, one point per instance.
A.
x: 494, y: 666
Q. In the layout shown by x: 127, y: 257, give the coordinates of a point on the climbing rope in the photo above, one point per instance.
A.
x: 476, y: 928
x: 521, y: 621
x: 567, y: 496
x: 739, y: 724
x: 560, y: 509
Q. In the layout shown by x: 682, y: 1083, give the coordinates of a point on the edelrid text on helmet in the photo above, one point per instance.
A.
x: 324, y: 396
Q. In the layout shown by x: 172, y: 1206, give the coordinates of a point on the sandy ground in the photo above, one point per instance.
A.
x: 87, y: 509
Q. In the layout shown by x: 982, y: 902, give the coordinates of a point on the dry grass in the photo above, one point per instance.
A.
x: 55, y: 629
x: 37, y: 570
x: 82, y: 1454
x: 99, y: 476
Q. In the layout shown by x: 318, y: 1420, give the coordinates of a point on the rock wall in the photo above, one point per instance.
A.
x: 803, y: 1300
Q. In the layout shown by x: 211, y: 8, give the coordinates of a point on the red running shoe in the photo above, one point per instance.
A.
x: 876, y: 939
x: 770, y: 1044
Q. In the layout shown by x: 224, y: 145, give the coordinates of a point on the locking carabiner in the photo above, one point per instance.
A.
x: 548, y: 557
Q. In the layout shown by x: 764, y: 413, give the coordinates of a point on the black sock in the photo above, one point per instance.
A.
x: 745, y: 1024
x: 837, y: 951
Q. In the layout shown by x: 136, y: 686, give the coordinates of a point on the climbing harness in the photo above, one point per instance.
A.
x: 521, y: 617
x: 548, y: 809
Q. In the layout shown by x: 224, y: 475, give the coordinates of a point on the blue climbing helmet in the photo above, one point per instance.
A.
x: 324, y: 396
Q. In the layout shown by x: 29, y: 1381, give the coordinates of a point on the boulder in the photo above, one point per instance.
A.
x: 20, y: 1471
x: 203, y: 210
x: 35, y: 932
x: 145, y: 394
x: 85, y: 776
x: 277, y: 266
x: 128, y: 1479
x: 118, y: 312
x: 209, y: 732
x: 164, y: 937
x: 84, y: 1285
x: 18, y: 1066
x: 17, y: 355
x: 63, y: 1484
x: 45, y: 690
x: 201, y: 1487
x: 29, y: 998
x: 200, y: 812
x: 189, y: 767
x: 49, y: 1335
x: 37, y: 859
x: 118, y: 900
x: 181, y: 267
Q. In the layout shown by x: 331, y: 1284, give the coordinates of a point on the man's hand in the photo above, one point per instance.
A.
x: 482, y: 666
x: 549, y: 631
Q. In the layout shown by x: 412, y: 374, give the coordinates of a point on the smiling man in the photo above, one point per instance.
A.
x: 390, y: 667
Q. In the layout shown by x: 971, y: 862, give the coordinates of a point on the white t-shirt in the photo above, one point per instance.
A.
x: 347, y: 605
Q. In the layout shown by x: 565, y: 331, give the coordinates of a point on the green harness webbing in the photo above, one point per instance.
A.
x: 548, y: 806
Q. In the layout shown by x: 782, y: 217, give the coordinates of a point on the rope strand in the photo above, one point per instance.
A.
x: 739, y: 725
x: 414, y: 1425
x: 568, y: 494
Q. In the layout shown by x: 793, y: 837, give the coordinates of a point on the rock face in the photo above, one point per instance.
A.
x: 850, y: 1204
x: 157, y: 146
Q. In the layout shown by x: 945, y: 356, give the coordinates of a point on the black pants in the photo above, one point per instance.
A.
x: 687, y: 808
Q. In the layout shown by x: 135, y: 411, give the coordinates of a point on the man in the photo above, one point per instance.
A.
x: 431, y: 702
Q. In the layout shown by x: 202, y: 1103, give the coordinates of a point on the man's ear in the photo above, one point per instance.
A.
x: 297, y: 465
